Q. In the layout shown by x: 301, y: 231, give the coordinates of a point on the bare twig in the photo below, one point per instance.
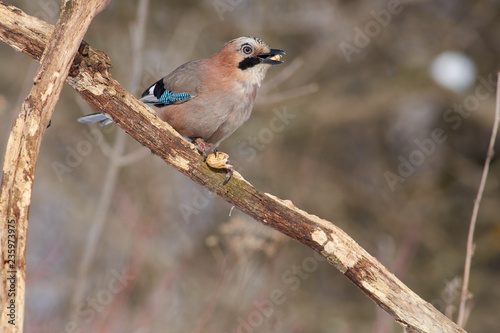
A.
x: 91, y: 79
x: 465, y: 295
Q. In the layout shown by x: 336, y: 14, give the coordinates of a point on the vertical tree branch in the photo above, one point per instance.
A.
x: 462, y: 313
x: 22, y: 153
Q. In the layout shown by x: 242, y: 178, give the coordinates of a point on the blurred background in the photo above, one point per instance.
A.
x: 379, y: 121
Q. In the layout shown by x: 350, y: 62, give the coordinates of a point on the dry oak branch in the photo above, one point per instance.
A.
x: 89, y: 76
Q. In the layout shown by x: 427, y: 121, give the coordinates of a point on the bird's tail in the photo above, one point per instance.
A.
x: 102, y: 118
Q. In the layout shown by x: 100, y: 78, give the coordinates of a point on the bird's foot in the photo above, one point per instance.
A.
x: 214, y: 159
x: 204, y: 147
x: 220, y: 160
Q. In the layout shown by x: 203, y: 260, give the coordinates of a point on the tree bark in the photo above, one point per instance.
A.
x: 24, y: 144
x: 90, y: 77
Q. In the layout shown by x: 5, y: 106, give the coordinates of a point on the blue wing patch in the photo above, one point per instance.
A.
x: 169, y: 97
x: 159, y: 96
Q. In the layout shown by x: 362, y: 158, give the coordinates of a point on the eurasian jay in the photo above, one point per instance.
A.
x: 207, y: 100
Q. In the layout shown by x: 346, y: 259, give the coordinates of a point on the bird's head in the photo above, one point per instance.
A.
x: 251, y: 57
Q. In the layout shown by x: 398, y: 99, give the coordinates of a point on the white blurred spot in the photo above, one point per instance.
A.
x: 453, y: 70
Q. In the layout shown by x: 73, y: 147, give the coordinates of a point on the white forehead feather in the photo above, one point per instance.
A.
x: 250, y: 40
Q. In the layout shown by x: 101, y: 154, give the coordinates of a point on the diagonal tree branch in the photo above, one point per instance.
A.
x: 90, y: 77
x: 24, y: 144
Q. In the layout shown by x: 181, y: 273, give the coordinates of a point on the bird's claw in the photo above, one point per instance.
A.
x: 229, y: 173
x: 205, y: 148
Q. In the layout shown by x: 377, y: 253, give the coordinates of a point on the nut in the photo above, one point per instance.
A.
x: 218, y: 160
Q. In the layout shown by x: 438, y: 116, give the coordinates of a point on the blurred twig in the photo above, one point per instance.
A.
x: 289, y: 94
x: 284, y: 74
x: 465, y: 295
x: 287, y: 72
x: 116, y: 162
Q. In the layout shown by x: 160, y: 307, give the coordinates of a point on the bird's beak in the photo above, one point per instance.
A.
x: 273, y: 57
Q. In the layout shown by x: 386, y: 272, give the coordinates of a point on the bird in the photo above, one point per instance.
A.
x: 206, y: 100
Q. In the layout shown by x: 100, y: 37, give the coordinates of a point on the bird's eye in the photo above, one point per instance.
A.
x: 247, y: 49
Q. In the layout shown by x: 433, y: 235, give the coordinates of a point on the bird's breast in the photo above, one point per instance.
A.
x: 214, y: 113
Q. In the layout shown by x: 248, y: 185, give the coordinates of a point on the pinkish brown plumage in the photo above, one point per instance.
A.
x: 207, y: 100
